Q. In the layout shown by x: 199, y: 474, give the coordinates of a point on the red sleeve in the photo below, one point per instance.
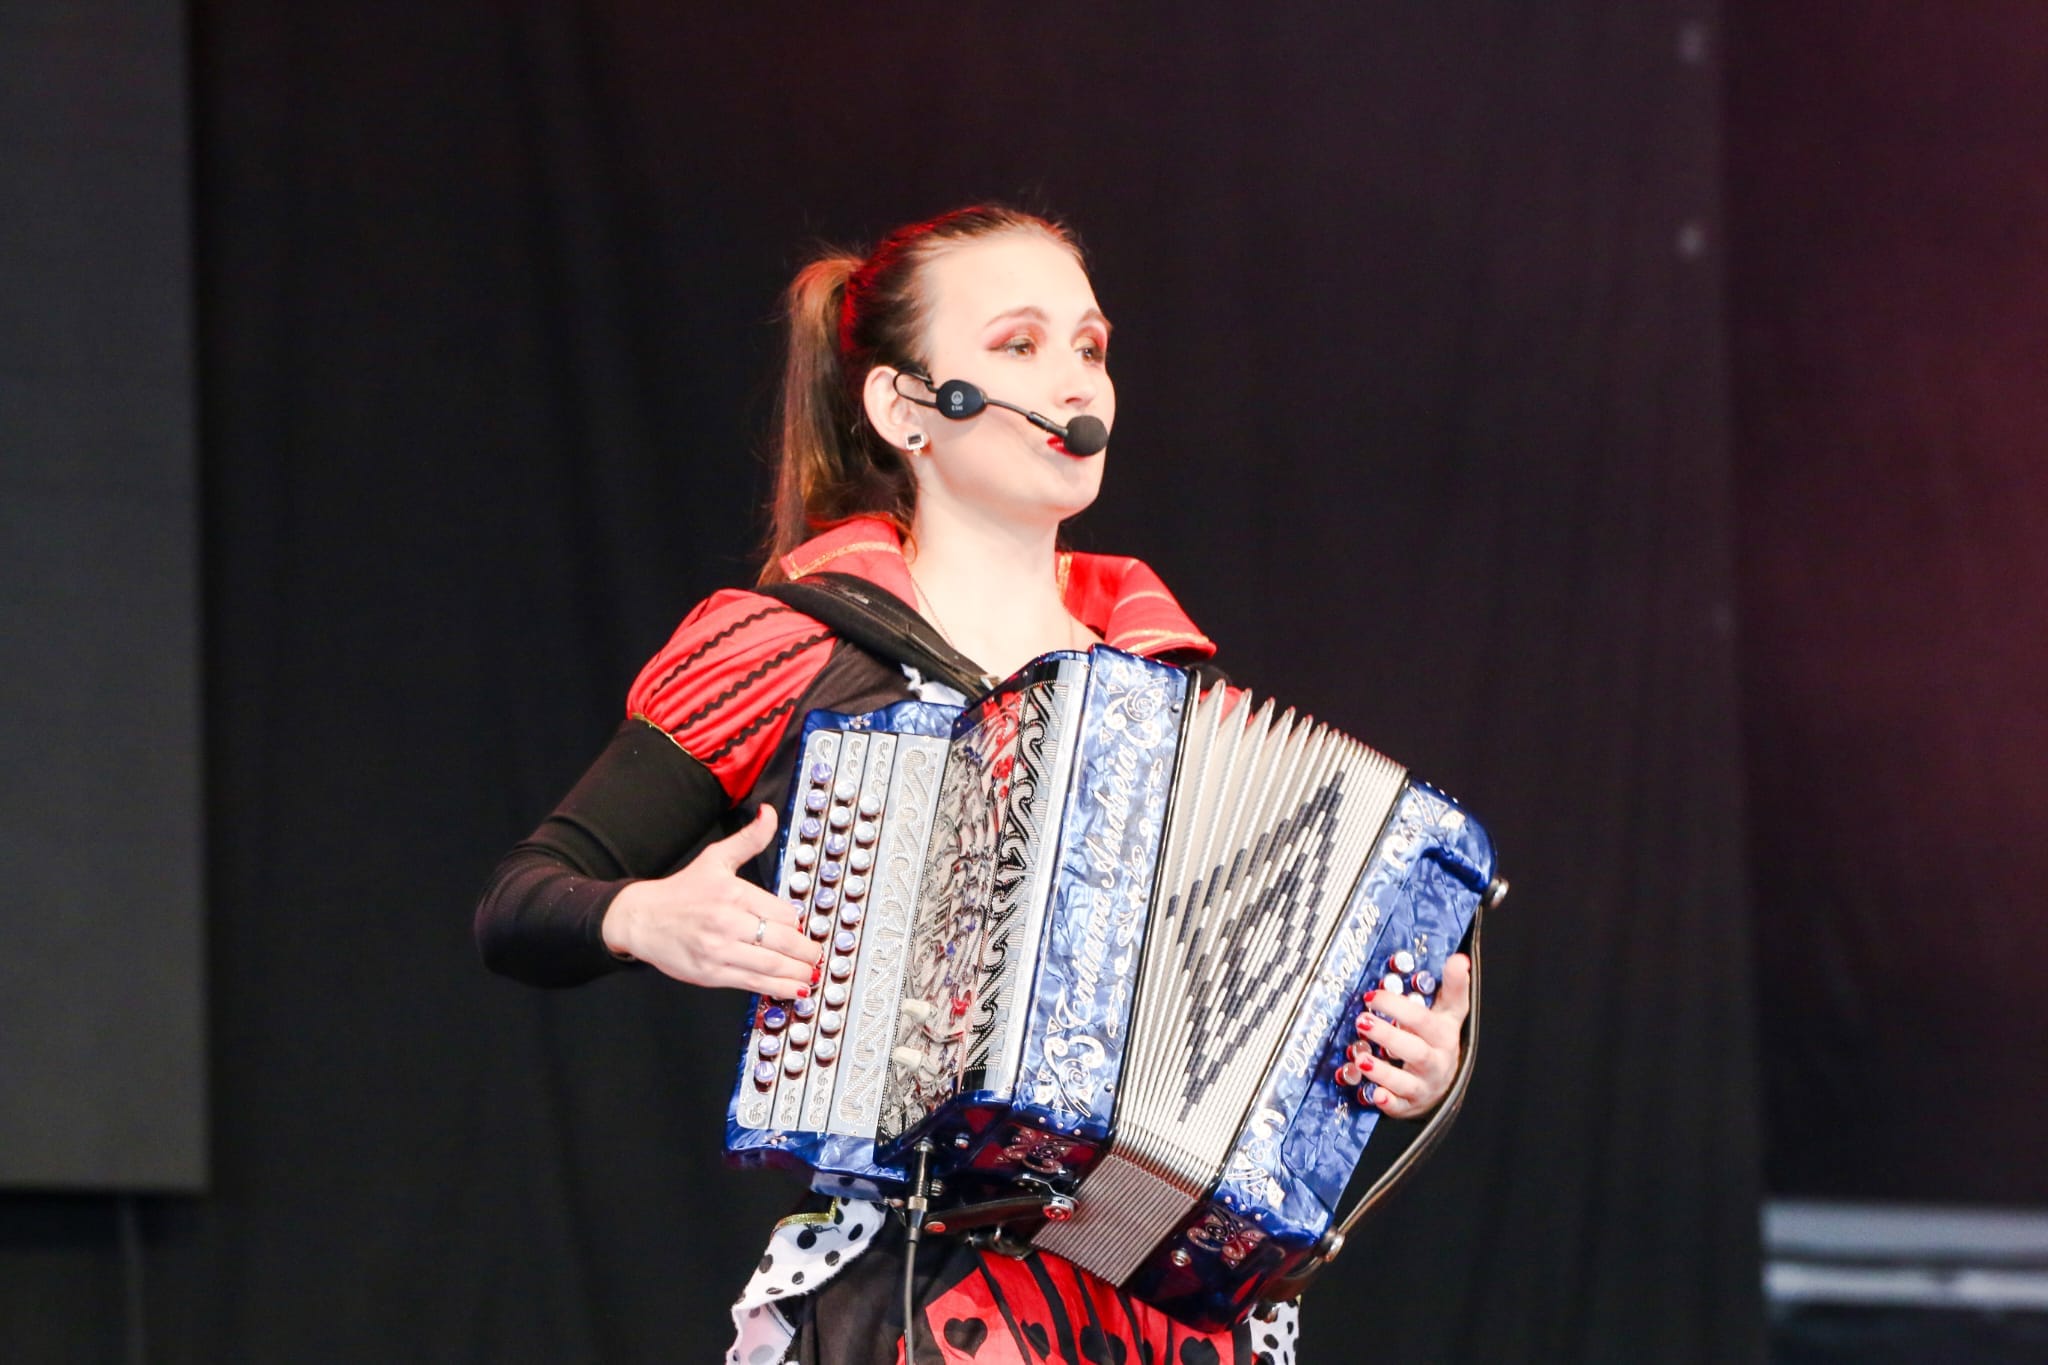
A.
x: 726, y: 685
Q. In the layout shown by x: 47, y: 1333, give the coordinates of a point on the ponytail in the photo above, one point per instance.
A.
x: 846, y: 315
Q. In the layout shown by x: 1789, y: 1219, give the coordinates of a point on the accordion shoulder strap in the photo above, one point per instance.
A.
x: 1439, y: 1123
x: 881, y: 623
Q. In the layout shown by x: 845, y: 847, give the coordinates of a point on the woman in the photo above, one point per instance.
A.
x: 959, y: 519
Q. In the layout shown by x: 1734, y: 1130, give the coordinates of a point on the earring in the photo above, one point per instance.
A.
x: 914, y: 441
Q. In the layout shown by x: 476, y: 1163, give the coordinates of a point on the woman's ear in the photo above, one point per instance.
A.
x: 889, y: 412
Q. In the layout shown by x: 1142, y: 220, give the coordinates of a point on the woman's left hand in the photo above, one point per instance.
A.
x: 1424, y: 1040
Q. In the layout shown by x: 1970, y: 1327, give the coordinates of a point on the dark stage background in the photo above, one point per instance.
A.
x: 1889, y: 220
x: 1421, y: 373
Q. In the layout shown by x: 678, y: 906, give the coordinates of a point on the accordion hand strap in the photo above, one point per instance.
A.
x: 1280, y: 1290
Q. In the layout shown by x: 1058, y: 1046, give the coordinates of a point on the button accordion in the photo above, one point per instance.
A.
x: 1100, y: 936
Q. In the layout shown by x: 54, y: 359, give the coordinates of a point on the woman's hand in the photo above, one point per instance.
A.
x: 707, y: 925
x: 1424, y: 1041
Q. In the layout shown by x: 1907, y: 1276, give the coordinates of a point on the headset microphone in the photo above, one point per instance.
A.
x: 959, y: 400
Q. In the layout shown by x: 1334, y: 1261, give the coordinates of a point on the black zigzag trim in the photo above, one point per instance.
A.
x: 707, y: 646
x: 749, y: 730
x: 766, y: 667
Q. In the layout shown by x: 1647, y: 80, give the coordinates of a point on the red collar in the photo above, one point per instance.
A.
x: 1118, y: 597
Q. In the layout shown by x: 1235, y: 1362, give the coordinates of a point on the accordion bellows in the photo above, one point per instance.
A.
x: 1098, y: 935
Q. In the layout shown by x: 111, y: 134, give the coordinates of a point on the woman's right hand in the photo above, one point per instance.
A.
x: 707, y: 925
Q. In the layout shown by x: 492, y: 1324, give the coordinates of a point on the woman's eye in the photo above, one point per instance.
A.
x: 1020, y: 346
x: 1093, y: 353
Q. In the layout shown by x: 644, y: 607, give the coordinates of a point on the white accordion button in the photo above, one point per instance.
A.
x: 871, y: 805
x: 831, y: 1021
x: 841, y: 968
x: 1391, y: 984
x: 799, y: 883
x: 845, y: 790
x: 850, y: 915
x: 862, y: 860
x: 799, y: 1035
x: 840, y: 817
x: 1402, y: 962
x: 827, y: 1052
x: 804, y: 856
x: 821, y: 925
x: 856, y: 887
x: 864, y: 832
x: 835, y: 995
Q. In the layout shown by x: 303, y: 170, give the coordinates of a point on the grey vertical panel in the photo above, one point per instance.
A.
x: 102, y: 1069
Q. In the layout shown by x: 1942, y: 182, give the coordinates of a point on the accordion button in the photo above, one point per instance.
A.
x: 799, y: 1035
x: 831, y: 1021
x: 842, y: 967
x: 826, y: 1052
x: 764, y: 1074
x: 835, y: 995
x: 799, y: 883
x: 871, y: 805
x: 803, y: 1007
x: 826, y: 898
x: 821, y: 773
x: 1348, y: 1075
x: 835, y: 845
x: 1424, y: 981
x: 814, y: 801
x: 856, y: 887
x: 1402, y: 962
x: 821, y: 925
x: 840, y: 817
x: 843, y: 941
x: 845, y: 790
x: 1368, y: 1092
x: 862, y: 860
x: 829, y: 872
x: 804, y: 856
x: 1391, y: 984
x: 793, y: 1065
x: 1361, y: 1052
x: 774, y: 1017
x: 809, y: 829
x: 849, y: 915
x: 864, y: 832
x: 771, y: 1047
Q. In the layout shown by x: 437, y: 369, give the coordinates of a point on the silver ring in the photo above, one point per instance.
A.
x: 760, y: 930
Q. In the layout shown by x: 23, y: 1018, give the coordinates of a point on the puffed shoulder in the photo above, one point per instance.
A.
x: 726, y: 685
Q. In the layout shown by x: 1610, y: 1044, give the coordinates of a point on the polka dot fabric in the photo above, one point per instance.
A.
x: 998, y: 1310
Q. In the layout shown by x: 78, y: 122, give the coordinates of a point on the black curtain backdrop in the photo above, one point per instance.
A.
x: 1889, y: 220
x: 1420, y: 379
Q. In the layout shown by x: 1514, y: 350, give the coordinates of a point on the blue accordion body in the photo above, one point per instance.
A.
x: 1004, y: 1029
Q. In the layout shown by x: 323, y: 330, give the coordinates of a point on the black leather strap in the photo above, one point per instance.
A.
x: 881, y: 623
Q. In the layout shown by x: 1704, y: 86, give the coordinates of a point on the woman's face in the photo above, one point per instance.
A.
x: 1016, y: 316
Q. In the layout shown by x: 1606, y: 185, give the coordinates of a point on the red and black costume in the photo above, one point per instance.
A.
x: 710, y: 735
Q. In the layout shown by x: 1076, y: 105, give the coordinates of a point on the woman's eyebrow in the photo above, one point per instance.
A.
x: 1038, y: 315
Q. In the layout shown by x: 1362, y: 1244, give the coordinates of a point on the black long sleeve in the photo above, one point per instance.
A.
x: 641, y: 810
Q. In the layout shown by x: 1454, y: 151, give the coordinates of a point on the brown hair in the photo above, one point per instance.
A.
x: 848, y: 314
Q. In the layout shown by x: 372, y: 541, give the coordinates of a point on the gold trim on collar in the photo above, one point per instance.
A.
x: 858, y: 547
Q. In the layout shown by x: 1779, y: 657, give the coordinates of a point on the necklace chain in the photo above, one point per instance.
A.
x: 925, y: 604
